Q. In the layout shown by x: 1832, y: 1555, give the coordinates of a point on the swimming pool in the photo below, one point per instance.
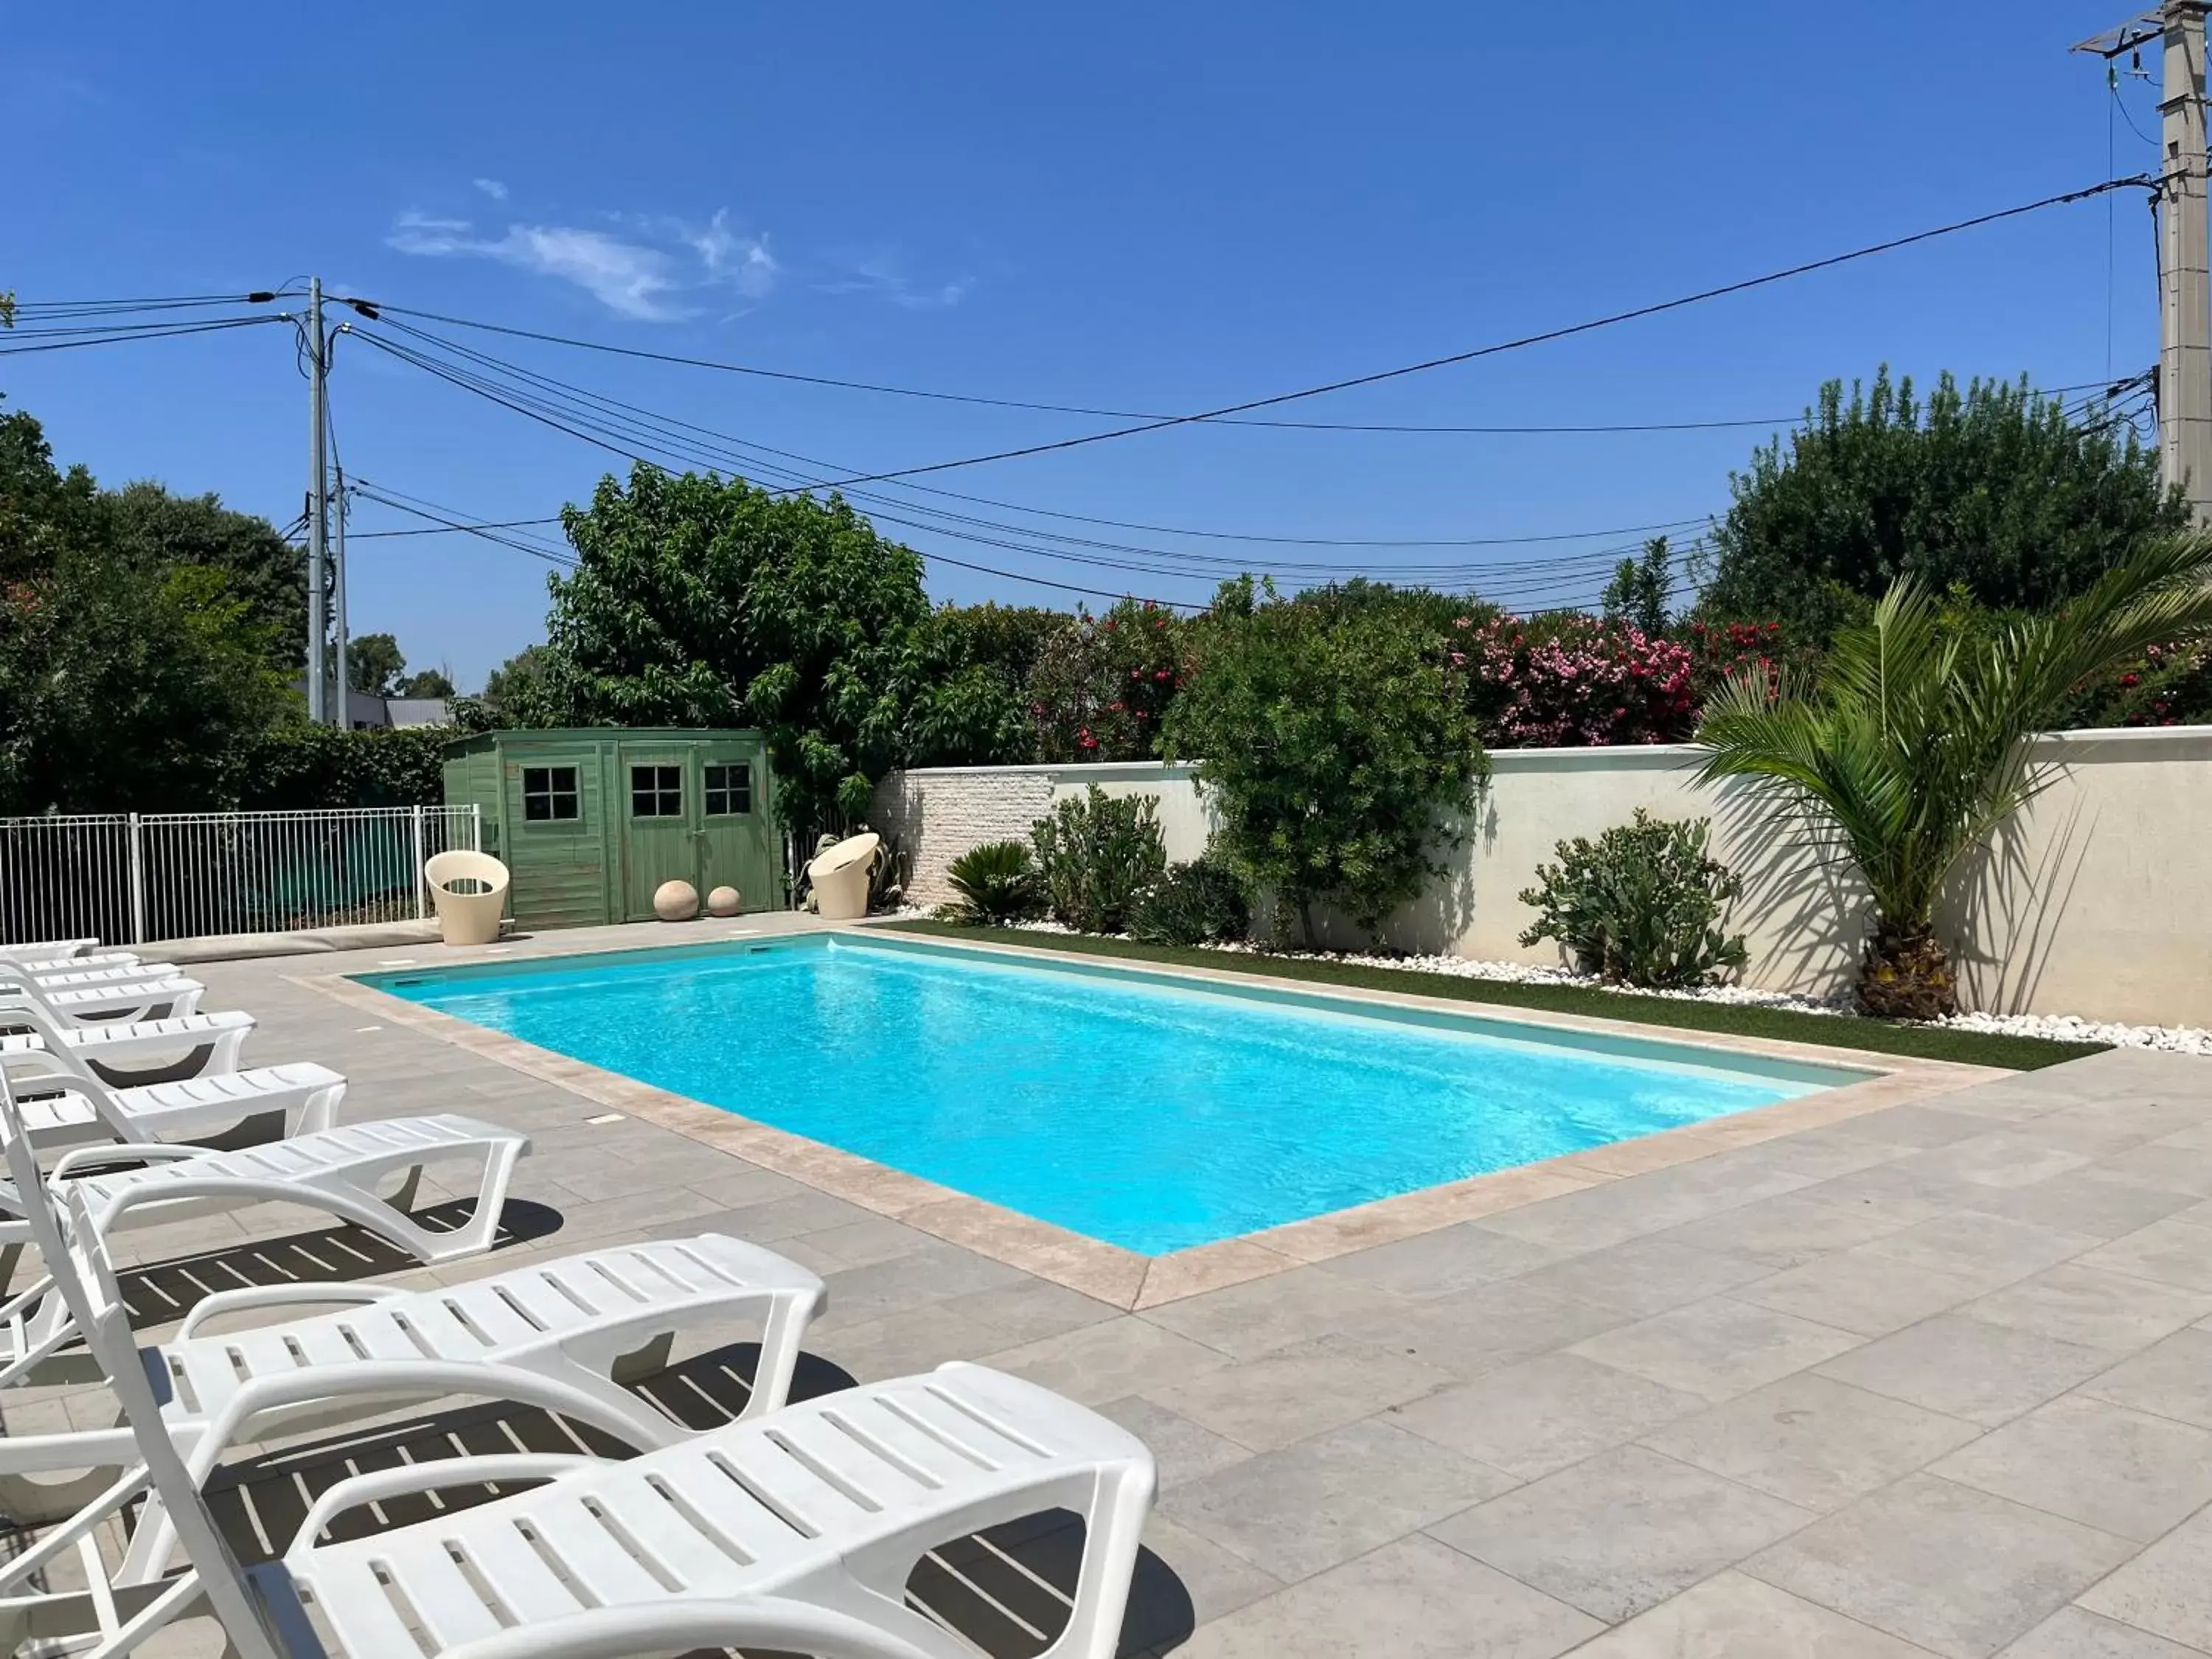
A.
x: 1147, y: 1110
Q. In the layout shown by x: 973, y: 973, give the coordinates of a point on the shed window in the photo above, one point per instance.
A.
x: 729, y: 790
x: 656, y: 792
x: 549, y: 792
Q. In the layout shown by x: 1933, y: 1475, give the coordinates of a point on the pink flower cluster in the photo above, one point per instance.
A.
x: 1576, y: 681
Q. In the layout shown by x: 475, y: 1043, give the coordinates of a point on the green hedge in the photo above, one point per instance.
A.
x: 301, y: 768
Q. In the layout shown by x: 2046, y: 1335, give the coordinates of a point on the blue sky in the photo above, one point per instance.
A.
x: 1150, y: 207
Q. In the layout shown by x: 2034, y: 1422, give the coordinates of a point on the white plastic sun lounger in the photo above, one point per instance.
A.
x: 69, y: 1104
x: 121, y: 1045
x: 74, y: 1003
x: 794, y: 1530
x: 117, y: 961
x: 47, y: 949
x: 560, y: 1334
x: 62, y: 976
x: 336, y: 1170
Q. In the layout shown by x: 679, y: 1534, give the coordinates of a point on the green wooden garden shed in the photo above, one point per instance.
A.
x: 591, y: 821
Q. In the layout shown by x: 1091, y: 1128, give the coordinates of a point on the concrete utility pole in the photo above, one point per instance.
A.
x: 344, y: 720
x: 319, y: 513
x: 2185, y: 328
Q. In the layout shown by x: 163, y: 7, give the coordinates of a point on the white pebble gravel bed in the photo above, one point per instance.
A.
x: 2058, y: 1028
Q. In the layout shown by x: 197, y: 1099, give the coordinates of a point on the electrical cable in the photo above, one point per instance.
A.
x: 166, y: 332
x: 1523, y: 342
x: 585, y: 426
x: 1555, y: 571
x: 385, y: 311
x: 501, y: 366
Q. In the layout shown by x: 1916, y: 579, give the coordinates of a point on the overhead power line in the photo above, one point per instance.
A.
x: 1521, y: 342
x: 388, y: 311
x: 554, y: 404
x: 78, y: 338
x: 624, y: 439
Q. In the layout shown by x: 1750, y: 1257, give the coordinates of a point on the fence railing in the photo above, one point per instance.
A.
x: 127, y: 877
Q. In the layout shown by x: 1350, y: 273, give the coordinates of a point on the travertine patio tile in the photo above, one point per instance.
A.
x: 1106, y: 1361
x: 1454, y: 1258
x: 2171, y: 1378
x: 1294, y: 1392
x: 2075, y: 1203
x: 1815, y: 1441
x: 1472, y: 1333
x: 1621, y: 1531
x: 2164, y: 1168
x: 1645, y: 1276
x: 885, y: 1288
x: 1988, y: 1248
x: 1985, y: 1373
x: 2088, y: 1305
x: 1860, y: 1291
x: 1731, y: 1616
x: 1718, y: 1348
x: 2074, y: 1632
x: 2105, y: 1466
x: 1784, y: 1232
x: 2005, y: 1159
x: 1532, y: 1418
x: 2172, y: 1251
x: 2166, y: 1589
x: 1249, y: 1320
x: 1414, y: 1599
x: 1962, y: 1572
x: 1300, y: 1511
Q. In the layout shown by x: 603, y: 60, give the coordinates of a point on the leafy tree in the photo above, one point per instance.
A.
x: 262, y: 570
x: 127, y: 686
x: 1102, y: 685
x: 375, y: 664
x: 1911, y: 747
x: 1992, y: 490
x: 707, y: 601
x: 962, y: 672
x: 426, y: 683
x: 1641, y: 588
x: 43, y: 511
x: 142, y: 661
x: 1336, y: 744
x: 510, y: 688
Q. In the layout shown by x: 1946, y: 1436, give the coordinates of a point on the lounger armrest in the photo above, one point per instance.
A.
x: 679, y: 1624
x: 278, y: 1295
x: 121, y: 1152
x: 380, y: 1485
x: 427, y: 1379
x: 73, y: 1448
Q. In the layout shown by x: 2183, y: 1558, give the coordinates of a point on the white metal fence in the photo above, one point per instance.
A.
x: 126, y: 878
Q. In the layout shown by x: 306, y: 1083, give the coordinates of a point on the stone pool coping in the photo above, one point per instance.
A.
x: 1124, y: 1278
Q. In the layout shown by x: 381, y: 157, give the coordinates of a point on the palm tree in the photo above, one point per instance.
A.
x: 1910, y: 747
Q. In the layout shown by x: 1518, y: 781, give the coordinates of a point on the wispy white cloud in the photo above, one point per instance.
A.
x: 491, y: 187
x: 646, y: 270
x: 744, y: 262
x: 884, y: 281
x: 629, y: 279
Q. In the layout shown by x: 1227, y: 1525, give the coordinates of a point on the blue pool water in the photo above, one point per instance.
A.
x: 1138, y: 1109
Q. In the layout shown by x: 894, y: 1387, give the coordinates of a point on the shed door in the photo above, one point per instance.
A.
x: 658, y: 801
x: 738, y: 844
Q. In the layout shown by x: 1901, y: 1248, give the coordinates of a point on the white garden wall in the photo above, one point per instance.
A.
x: 2097, y: 900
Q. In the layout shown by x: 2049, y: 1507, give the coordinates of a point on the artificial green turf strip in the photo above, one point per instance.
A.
x: 2016, y: 1053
